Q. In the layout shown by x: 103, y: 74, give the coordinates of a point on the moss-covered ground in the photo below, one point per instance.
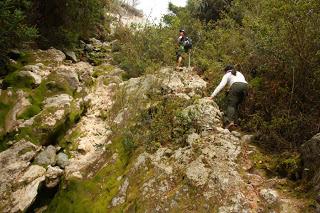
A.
x: 95, y: 195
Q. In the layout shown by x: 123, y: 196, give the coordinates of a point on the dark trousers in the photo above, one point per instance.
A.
x: 236, y: 96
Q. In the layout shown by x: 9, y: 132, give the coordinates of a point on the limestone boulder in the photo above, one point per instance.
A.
x: 14, y: 170
x: 69, y: 74
x: 33, y: 77
x: 24, y: 197
x: 45, y: 126
x: 204, y: 113
x: 53, y: 176
x: 58, y: 101
x: 51, y: 56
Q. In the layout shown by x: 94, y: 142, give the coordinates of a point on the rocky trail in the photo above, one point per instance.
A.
x: 78, y: 144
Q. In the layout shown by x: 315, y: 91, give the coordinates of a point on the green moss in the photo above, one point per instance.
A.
x: 54, y: 85
x: 102, y: 70
x: 95, y: 195
x: 25, y: 58
x: 288, y: 165
x: 4, y: 109
x: 24, y: 151
x: 6, y: 104
x: 30, y: 112
x: 256, y: 82
x: 17, y: 81
x: 41, y: 133
x: 69, y: 142
x: 57, y: 84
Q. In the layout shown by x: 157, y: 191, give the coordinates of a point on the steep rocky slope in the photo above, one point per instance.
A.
x: 149, y: 144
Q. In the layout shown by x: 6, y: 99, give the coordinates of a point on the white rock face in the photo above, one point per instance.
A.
x: 95, y: 133
x: 23, y: 198
x: 32, y: 173
x: 69, y: 74
x: 18, y: 180
x: 58, y: 101
x: 204, y: 113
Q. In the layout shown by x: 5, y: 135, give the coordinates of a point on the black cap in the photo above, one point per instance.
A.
x: 182, y: 30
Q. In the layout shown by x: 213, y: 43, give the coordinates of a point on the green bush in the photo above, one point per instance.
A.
x: 279, y: 40
x: 14, y: 29
x: 62, y: 23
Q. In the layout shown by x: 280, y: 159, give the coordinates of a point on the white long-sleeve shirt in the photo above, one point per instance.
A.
x: 229, y: 79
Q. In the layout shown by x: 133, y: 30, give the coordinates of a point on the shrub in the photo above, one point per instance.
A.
x: 14, y: 29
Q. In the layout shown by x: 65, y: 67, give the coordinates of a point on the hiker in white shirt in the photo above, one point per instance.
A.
x: 237, y: 92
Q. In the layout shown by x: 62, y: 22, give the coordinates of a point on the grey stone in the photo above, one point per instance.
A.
x: 197, y: 173
x: 247, y: 138
x: 311, y: 152
x: 52, y: 55
x: 270, y: 195
x: 69, y: 74
x: 193, y: 138
x: 62, y: 160
x: 47, y: 157
x: 71, y: 55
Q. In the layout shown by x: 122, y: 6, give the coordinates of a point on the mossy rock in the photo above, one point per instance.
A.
x: 19, y: 80
x: 104, y: 69
x: 47, y: 57
x: 288, y: 165
x: 97, y: 193
x: 59, y: 84
x: 7, y: 67
x: 51, y: 124
x: 6, y: 103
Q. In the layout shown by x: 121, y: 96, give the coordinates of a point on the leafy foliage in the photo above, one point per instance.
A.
x: 63, y: 22
x: 14, y: 30
x: 274, y: 43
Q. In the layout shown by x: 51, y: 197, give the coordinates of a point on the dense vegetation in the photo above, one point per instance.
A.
x: 59, y: 23
x: 275, y: 43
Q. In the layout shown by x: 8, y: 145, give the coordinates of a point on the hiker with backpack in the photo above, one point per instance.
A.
x: 184, y: 44
x: 238, y: 87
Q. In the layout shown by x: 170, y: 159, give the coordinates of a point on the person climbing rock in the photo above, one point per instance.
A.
x: 184, y: 44
x: 237, y: 92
